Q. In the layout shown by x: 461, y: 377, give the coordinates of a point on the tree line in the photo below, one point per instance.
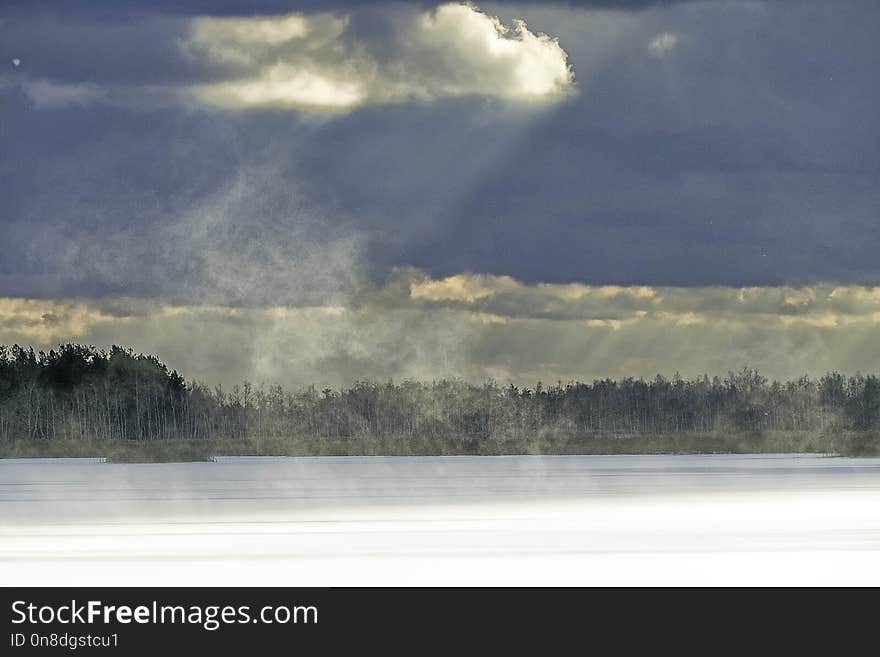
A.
x: 78, y: 392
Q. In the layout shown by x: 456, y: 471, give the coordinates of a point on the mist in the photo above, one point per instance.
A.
x: 661, y: 520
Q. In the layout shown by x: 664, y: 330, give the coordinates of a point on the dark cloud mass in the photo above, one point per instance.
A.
x: 706, y: 143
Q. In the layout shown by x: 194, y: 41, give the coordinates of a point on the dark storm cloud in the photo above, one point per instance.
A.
x: 82, y: 49
x: 729, y: 143
x: 747, y: 154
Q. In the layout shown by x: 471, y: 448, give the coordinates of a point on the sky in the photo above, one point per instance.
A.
x: 321, y: 192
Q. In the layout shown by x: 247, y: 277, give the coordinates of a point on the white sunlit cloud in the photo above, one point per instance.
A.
x: 318, y: 61
x: 662, y: 44
x: 324, y: 62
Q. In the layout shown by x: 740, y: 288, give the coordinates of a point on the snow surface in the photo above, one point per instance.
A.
x: 523, y: 520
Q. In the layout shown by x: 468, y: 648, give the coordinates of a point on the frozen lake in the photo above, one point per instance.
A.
x: 714, y: 519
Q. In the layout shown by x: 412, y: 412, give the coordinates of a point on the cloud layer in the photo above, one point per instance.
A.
x: 319, y: 61
x: 506, y: 298
x: 327, y: 61
x: 480, y: 327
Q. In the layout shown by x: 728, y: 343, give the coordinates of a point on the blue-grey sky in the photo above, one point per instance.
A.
x: 257, y: 154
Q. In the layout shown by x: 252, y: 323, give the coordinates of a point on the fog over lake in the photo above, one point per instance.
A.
x: 709, y: 519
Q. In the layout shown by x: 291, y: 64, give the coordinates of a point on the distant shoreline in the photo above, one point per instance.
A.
x: 158, y: 451
x: 77, y: 400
